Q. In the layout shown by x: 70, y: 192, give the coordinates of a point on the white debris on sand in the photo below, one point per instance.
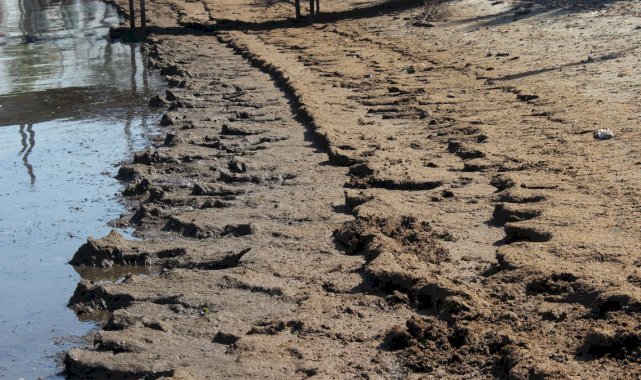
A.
x: 603, y: 134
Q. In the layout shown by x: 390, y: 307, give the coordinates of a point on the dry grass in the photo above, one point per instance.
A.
x: 433, y: 10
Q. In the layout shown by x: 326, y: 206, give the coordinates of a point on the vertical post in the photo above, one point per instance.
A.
x: 143, y: 18
x: 317, y: 7
x: 296, y: 4
x: 132, y: 15
x: 311, y: 7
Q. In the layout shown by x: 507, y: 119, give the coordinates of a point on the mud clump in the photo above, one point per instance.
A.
x: 428, y: 345
x: 103, y: 252
x: 205, y: 231
x: 424, y: 342
x: 506, y: 212
x: 157, y: 101
x: 403, y: 255
x: 415, y: 236
x: 89, y: 298
x: 113, y: 249
x: 613, y: 343
x: 138, y: 187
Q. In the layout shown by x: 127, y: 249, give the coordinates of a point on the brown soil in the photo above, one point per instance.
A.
x: 381, y: 193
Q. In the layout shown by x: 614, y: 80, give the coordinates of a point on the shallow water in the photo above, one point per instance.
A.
x: 72, y: 105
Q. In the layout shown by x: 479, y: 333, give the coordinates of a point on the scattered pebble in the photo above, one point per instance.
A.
x: 603, y: 134
x: 409, y: 69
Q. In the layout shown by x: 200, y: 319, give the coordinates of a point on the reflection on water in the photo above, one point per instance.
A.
x: 55, y: 44
x: 27, y: 146
x: 72, y: 105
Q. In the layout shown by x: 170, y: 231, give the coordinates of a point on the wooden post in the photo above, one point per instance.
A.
x: 311, y: 7
x: 317, y: 7
x: 296, y: 4
x: 143, y: 18
x: 132, y: 15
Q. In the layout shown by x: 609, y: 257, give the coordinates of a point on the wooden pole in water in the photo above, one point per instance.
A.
x: 143, y: 17
x: 132, y: 15
x: 297, y: 5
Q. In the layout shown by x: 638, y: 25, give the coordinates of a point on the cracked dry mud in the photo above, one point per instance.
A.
x: 363, y: 196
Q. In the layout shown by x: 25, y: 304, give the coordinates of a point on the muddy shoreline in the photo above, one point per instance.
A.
x: 375, y: 205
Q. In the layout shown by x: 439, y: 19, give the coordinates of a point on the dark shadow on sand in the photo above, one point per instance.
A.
x: 528, y: 73
x: 373, y: 10
x: 523, y: 9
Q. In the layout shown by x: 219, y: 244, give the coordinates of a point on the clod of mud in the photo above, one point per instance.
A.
x: 354, y: 199
x: 525, y: 231
x: 216, y: 190
x: 113, y: 249
x: 241, y: 130
x: 171, y: 139
x: 157, y: 101
x: 166, y: 121
x: 205, y: 230
x: 77, y: 368
x: 417, y: 236
x: 614, y: 343
x: 513, y: 212
x: 129, y: 173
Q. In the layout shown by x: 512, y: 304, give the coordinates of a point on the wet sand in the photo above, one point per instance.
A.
x: 377, y: 194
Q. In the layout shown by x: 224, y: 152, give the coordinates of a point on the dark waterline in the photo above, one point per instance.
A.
x: 72, y: 105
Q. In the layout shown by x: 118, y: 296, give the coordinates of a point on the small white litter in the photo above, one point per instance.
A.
x: 603, y: 134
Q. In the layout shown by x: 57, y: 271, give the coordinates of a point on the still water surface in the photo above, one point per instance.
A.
x: 72, y: 105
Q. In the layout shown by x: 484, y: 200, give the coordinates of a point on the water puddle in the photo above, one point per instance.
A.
x: 72, y: 105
